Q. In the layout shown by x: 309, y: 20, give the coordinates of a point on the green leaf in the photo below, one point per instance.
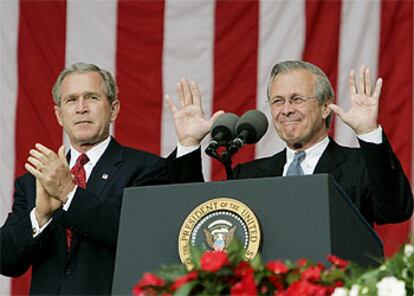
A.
x: 256, y: 263
x: 171, y: 272
x: 185, y: 289
x: 236, y: 251
x: 195, y: 253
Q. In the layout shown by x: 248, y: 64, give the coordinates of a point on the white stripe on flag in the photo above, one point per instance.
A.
x: 9, y: 15
x: 359, y: 44
x: 281, y: 37
x: 188, y: 52
x: 91, y: 34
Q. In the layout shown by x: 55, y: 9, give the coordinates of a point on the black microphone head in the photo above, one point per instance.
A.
x: 222, y: 129
x: 252, y: 126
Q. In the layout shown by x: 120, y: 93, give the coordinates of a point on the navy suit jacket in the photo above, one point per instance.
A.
x: 93, y: 217
x: 371, y: 176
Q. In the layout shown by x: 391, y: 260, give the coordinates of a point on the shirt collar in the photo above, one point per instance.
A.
x: 94, y: 154
x: 313, y: 151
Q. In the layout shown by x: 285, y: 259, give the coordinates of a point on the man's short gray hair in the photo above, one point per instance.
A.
x: 324, y: 90
x: 109, y: 85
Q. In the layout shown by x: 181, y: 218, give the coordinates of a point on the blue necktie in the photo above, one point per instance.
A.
x: 295, y: 168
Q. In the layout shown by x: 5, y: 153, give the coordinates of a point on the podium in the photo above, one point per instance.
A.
x: 300, y: 217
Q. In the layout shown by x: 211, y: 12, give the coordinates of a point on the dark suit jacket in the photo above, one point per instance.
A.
x: 93, y: 217
x: 371, y: 176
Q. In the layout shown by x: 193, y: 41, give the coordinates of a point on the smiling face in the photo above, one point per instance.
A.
x: 300, y: 126
x: 84, y: 111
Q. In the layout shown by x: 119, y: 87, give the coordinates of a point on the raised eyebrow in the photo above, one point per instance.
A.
x: 70, y: 96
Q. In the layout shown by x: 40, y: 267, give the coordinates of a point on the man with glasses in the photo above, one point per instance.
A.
x: 301, y: 102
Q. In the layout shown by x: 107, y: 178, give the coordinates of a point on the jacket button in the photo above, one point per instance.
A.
x: 68, y: 271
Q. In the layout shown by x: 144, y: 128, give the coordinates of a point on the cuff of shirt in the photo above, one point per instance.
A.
x: 372, y: 137
x: 36, y: 229
x: 71, y: 194
x: 182, y: 150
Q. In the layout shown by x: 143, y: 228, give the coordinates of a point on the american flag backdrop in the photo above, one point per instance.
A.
x: 228, y: 47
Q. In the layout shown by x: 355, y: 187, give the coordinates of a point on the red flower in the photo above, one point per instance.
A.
x: 277, y: 282
x: 312, y: 274
x: 301, y: 262
x: 341, y: 263
x: 246, y: 287
x: 150, y: 279
x: 305, y: 288
x: 184, y: 279
x: 277, y: 267
x: 213, y: 260
x: 242, y: 269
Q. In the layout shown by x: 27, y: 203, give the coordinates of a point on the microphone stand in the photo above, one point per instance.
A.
x: 226, y: 155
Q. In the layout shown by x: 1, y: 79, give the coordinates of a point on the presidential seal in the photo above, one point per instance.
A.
x: 215, y: 223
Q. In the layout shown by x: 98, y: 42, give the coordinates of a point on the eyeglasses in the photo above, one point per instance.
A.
x: 295, y: 100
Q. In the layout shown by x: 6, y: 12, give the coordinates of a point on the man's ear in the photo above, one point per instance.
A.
x: 58, y: 115
x: 115, y: 107
x: 325, y: 108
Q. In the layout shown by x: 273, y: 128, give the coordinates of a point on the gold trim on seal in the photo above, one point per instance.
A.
x: 214, y: 205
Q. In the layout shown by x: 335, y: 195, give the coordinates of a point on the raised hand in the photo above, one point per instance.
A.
x: 362, y: 117
x: 52, y: 170
x: 190, y: 123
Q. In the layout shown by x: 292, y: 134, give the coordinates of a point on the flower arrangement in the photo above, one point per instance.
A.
x: 227, y: 273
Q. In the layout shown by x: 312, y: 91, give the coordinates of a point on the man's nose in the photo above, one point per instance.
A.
x: 82, y: 105
x: 287, y: 108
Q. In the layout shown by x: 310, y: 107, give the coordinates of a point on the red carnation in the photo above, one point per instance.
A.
x: 184, y: 279
x: 246, y: 287
x: 305, y: 288
x: 301, y: 262
x: 341, y: 263
x: 243, y: 268
x: 150, y: 279
x: 312, y: 274
x: 213, y: 260
x: 277, y: 267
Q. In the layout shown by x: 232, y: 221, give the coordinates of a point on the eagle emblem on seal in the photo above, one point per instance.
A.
x: 219, y: 234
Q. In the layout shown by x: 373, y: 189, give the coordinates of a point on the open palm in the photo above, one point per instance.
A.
x: 362, y: 117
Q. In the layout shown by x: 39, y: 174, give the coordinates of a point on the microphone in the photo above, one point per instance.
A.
x: 222, y: 130
x: 250, y: 128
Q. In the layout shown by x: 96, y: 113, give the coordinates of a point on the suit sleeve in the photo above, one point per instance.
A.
x: 392, y: 195
x: 186, y: 168
x: 18, y: 248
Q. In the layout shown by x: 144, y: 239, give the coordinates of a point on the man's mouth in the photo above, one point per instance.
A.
x: 82, y: 122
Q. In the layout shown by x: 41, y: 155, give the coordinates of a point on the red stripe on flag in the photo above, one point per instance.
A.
x: 395, y: 67
x: 41, y: 57
x: 235, y: 65
x: 323, y: 20
x: 139, y: 73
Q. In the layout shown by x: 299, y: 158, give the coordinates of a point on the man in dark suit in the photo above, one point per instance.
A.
x: 64, y: 221
x: 301, y: 102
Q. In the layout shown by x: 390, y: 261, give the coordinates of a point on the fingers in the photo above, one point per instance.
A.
x: 180, y: 93
x: 352, y: 85
x: 62, y: 154
x: 361, y: 80
x: 214, y: 117
x: 195, y: 91
x: 364, y: 82
x: 378, y: 87
x: 33, y: 171
x: 170, y: 104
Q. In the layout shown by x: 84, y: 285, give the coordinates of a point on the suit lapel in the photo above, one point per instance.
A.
x: 105, y: 169
x: 102, y: 173
x: 274, y: 167
x: 330, y: 160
